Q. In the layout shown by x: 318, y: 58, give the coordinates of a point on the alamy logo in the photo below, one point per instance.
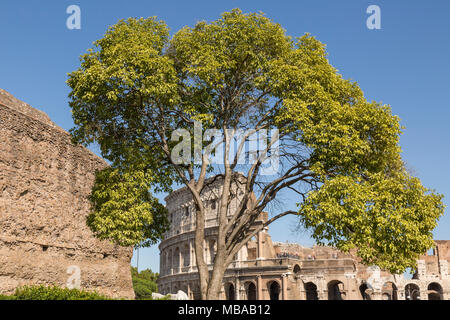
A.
x: 374, y: 20
x: 74, y: 20
x: 74, y: 280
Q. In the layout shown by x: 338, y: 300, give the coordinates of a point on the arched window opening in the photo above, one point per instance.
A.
x: 212, y: 250
x: 412, y: 292
x: 311, y: 291
x: 229, y: 292
x: 176, y: 259
x: 251, y: 291
x: 335, y: 290
x: 186, y: 256
x: 435, y: 291
x: 364, y: 290
x: 170, y: 262
x: 274, y: 291
x: 389, y: 291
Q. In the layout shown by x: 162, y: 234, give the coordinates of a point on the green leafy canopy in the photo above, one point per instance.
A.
x: 124, y: 210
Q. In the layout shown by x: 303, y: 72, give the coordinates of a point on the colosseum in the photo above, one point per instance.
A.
x: 264, y: 270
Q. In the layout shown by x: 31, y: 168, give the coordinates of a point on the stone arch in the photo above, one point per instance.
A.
x: 176, y: 259
x: 169, y: 262
x: 250, y: 290
x: 212, y: 250
x: 296, y: 269
x: 311, y: 291
x: 186, y: 255
x: 435, y: 291
x: 365, y: 290
x: 230, y: 293
x: 389, y: 291
x: 412, y: 292
x: 274, y: 289
x: 335, y: 290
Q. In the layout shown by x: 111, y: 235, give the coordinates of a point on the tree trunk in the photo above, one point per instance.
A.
x: 202, y: 267
x: 215, y: 282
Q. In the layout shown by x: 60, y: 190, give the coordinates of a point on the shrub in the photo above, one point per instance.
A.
x: 144, y: 283
x: 54, y: 293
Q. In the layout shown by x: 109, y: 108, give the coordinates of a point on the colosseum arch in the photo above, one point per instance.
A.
x: 412, y: 292
x: 169, y: 262
x: 212, y: 250
x: 435, y: 291
x: 250, y: 290
x: 230, y: 292
x: 274, y: 289
x: 176, y: 260
x: 365, y: 290
x: 335, y: 290
x: 311, y: 291
x: 296, y: 269
x: 163, y: 262
x: 186, y: 255
x: 389, y: 291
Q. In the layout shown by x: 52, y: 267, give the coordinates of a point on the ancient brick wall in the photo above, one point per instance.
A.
x: 45, y: 182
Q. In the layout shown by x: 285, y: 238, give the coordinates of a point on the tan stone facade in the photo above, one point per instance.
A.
x: 266, y: 270
x: 45, y: 182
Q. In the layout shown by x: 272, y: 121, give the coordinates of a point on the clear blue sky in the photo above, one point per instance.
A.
x: 406, y: 64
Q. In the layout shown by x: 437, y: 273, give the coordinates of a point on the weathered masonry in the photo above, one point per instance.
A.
x: 266, y: 270
x: 45, y: 182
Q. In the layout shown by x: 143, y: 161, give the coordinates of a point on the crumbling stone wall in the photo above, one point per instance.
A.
x: 45, y: 182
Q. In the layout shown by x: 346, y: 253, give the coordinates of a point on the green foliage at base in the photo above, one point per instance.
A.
x: 52, y: 293
x: 144, y: 283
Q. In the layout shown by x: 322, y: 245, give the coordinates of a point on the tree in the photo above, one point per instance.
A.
x: 138, y: 91
x: 144, y: 283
